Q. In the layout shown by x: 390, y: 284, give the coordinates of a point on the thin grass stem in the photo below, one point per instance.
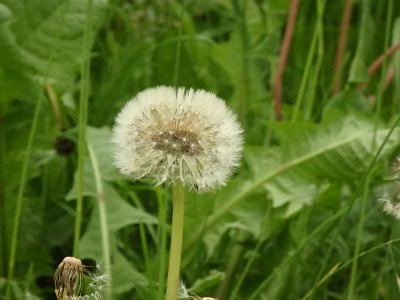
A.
x: 340, y: 266
x: 105, y: 243
x: 354, y: 270
x: 82, y: 120
x: 20, y: 194
x: 143, y: 239
x: 353, y: 200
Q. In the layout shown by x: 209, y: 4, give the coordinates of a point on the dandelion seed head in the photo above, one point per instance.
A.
x: 171, y: 134
x: 391, y: 201
x: 392, y: 208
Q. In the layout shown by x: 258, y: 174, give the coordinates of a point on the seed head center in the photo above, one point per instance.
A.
x: 177, y: 142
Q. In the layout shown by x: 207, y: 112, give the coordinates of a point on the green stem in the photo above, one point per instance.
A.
x: 143, y: 239
x: 253, y: 255
x: 20, y: 195
x: 234, y: 258
x: 360, y: 229
x: 178, y: 49
x: 25, y: 168
x: 311, y: 76
x: 103, y: 218
x: 162, y: 240
x: 176, y: 242
x: 354, y: 269
x: 83, y: 108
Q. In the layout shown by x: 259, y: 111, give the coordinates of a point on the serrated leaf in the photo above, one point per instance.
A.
x: 338, y: 150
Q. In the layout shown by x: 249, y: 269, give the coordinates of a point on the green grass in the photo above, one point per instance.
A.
x: 300, y: 219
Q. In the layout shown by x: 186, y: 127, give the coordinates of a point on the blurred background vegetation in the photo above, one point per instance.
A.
x: 316, y: 85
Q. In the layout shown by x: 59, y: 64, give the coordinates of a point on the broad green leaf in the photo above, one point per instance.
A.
x: 199, y: 208
x: 100, y: 140
x: 348, y: 100
x: 125, y: 275
x: 212, y: 279
x: 49, y: 40
x: 337, y: 150
x: 119, y: 215
x: 14, y: 77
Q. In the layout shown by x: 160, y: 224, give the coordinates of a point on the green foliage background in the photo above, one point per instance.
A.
x: 300, y: 219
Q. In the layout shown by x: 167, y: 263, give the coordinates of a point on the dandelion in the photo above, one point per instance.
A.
x: 391, y: 201
x: 392, y: 208
x: 391, y: 196
x: 71, y: 275
x: 181, y: 134
x: 181, y: 137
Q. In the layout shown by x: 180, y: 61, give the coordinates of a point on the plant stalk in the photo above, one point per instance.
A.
x: 105, y: 243
x: 20, y: 196
x: 83, y: 108
x: 176, y: 242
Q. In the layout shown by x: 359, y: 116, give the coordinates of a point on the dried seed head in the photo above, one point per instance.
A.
x: 68, y: 280
x: 173, y: 134
x: 67, y: 276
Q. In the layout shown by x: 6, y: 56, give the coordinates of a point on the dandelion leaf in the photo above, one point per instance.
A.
x: 45, y: 45
x: 119, y: 215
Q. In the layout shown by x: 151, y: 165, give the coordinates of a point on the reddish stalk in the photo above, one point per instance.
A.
x: 389, y: 77
x: 388, y: 80
x: 374, y: 67
x: 342, y: 41
x: 287, y: 40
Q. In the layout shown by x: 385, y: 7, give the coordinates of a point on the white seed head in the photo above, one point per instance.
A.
x: 391, y: 201
x: 170, y: 134
x: 392, y: 208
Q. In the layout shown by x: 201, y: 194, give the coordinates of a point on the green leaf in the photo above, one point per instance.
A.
x: 119, y: 215
x: 14, y: 77
x: 125, y: 275
x: 100, y: 139
x: 338, y: 150
x: 47, y: 43
x: 210, y: 280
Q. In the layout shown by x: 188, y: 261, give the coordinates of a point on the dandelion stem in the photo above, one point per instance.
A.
x: 162, y: 240
x: 176, y: 242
